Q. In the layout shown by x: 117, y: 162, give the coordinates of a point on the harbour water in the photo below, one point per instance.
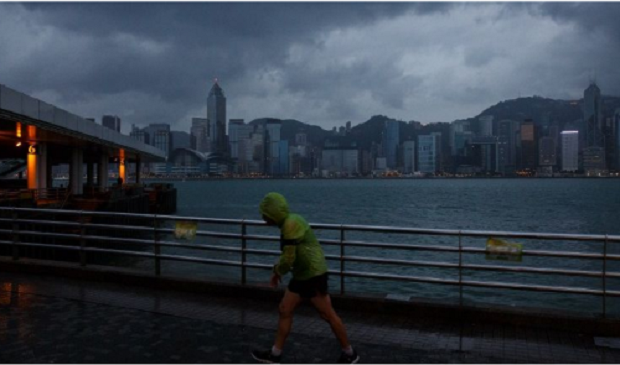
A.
x: 578, y: 206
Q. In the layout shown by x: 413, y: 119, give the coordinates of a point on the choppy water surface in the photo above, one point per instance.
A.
x: 532, y: 205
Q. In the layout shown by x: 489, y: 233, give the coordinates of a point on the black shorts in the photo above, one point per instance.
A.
x: 309, y: 288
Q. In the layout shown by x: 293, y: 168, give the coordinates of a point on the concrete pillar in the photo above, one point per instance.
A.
x: 48, y: 173
x: 76, y: 168
x: 138, y: 169
x: 90, y: 174
x: 31, y: 168
x: 121, y: 170
x: 42, y: 162
x: 102, y: 172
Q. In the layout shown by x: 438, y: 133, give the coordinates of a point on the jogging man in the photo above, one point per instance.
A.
x: 303, y: 256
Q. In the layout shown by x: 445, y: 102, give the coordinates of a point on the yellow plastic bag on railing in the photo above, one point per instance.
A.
x: 185, y: 230
x: 498, y: 249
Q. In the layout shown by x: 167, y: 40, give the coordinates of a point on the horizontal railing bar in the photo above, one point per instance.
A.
x: 198, y: 247
x: 347, y: 227
x: 481, y: 284
x: 258, y: 266
x: 543, y: 253
x: 117, y: 226
x: 262, y: 252
x: 43, y: 222
x: 37, y: 233
x: 247, y: 222
x: 594, y: 274
x: 214, y: 234
x: 541, y: 288
x: 465, y: 233
x: 535, y: 270
x: 199, y: 260
x: 400, y: 246
x: 261, y: 237
x: 40, y: 245
x: 117, y: 239
x: 225, y: 235
x: 120, y: 252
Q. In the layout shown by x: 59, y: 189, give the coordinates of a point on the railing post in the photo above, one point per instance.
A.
x: 15, y: 236
x: 460, y: 270
x: 605, y: 278
x: 82, y: 241
x: 342, y: 260
x: 243, y: 253
x: 156, y: 247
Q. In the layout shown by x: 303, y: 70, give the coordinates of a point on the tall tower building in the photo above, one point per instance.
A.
x: 592, y: 115
x: 594, y: 151
x: 272, y: 147
x: 238, y: 134
x: 570, y: 150
x: 111, y: 121
x: 529, y: 150
x: 546, y: 155
x: 216, y: 115
x: 507, y: 132
x: 429, y: 147
x: 408, y: 157
x: 485, y: 124
x: 390, y: 143
x: 199, y: 134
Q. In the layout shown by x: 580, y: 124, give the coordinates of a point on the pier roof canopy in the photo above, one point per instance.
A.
x: 26, y: 121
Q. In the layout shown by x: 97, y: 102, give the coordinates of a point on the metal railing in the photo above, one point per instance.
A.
x: 51, y: 193
x: 15, y: 225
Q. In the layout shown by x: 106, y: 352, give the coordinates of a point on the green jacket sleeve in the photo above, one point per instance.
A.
x: 287, y: 258
x: 292, y: 232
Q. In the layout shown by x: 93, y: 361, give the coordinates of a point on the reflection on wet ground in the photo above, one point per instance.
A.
x: 53, y: 319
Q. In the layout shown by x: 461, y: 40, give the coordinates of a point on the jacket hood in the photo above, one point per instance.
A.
x: 275, y: 207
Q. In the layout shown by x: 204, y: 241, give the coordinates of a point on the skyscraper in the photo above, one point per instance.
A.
x: 390, y: 143
x: 529, y: 152
x: 139, y: 134
x: 199, y: 132
x: 460, y: 133
x: 239, y: 135
x: 408, y: 157
x: 485, y: 124
x: 592, y: 115
x: 570, y: 150
x: 429, y: 147
x: 594, y: 151
x: 507, y: 132
x: 111, y: 121
x: 216, y: 114
x: 272, y: 147
x: 547, y: 150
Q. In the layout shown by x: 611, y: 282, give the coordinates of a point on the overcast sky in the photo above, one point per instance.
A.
x: 320, y: 63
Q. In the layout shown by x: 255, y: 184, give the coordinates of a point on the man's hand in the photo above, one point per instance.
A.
x: 275, y: 280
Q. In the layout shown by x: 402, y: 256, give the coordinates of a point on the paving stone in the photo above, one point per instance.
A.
x: 47, y: 319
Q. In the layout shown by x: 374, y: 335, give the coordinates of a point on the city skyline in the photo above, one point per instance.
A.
x: 323, y: 64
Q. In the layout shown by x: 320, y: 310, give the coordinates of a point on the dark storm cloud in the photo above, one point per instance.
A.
x: 172, y: 50
x: 324, y: 63
x: 592, y: 16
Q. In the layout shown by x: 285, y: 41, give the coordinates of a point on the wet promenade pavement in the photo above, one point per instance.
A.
x: 60, y: 320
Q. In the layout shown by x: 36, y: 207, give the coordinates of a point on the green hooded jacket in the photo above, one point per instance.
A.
x: 301, y: 252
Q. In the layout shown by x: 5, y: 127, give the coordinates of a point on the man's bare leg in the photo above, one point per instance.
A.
x: 287, y: 307
x: 323, y: 304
